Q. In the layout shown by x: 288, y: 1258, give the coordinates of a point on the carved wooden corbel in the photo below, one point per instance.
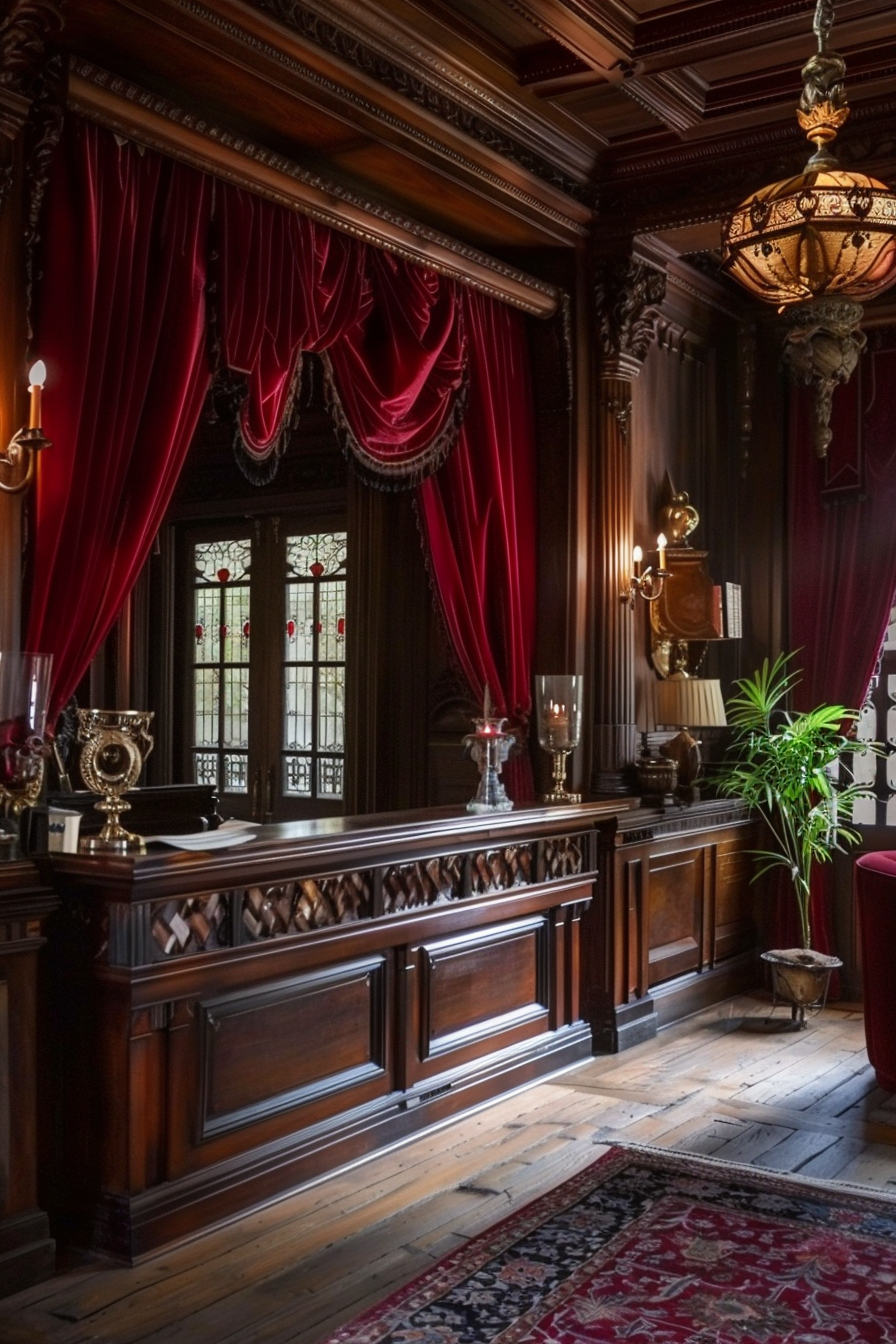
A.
x: 627, y: 295
x: 27, y: 35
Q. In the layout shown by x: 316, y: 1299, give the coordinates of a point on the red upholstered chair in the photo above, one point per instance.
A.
x: 876, y: 895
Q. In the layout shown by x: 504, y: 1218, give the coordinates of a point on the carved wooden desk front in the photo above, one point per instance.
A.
x: 229, y: 1025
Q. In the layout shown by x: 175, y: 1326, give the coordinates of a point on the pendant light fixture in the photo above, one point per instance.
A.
x: 820, y: 244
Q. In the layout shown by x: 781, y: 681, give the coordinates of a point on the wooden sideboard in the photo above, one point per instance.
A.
x: 220, y: 1027
x: 27, y: 1253
x: 673, y: 928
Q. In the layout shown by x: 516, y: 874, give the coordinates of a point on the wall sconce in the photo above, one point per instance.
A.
x: 649, y: 582
x: 25, y: 443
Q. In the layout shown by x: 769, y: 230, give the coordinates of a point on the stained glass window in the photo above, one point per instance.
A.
x: 221, y: 633
x: 314, y: 666
x: 878, y: 723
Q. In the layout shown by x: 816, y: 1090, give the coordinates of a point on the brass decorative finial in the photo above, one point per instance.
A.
x: 823, y: 107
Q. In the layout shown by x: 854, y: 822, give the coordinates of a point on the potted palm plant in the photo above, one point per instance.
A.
x: 792, y: 770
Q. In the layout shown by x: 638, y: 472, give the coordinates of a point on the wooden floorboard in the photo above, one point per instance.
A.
x: 728, y: 1083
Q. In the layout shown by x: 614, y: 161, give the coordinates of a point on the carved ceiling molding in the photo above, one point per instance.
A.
x: 26, y: 36
x: 353, y: 100
x: 627, y: 295
x: 699, y: 24
x: 680, y: 341
x: 676, y: 97
x: 698, y: 182
x: 422, y: 75
x: 149, y: 119
x: 612, y: 29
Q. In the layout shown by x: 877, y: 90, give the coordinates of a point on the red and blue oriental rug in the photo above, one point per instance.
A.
x: 648, y: 1247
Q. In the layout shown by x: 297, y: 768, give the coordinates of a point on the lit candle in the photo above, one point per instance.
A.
x: 637, y: 557
x: 558, y: 726
x: 661, y: 547
x: 37, y: 377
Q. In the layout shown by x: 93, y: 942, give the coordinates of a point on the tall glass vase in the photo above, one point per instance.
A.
x: 24, y: 696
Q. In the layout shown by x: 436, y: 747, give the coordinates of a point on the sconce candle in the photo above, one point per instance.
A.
x: 649, y: 582
x: 37, y: 378
x: 19, y: 456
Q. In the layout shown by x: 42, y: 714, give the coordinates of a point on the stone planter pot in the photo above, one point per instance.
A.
x: 801, y: 978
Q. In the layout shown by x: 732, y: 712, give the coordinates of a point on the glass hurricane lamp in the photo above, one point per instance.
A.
x: 558, y: 708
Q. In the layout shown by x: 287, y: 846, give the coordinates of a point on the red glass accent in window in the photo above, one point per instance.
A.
x: 317, y: 569
x: 291, y: 629
x: 318, y: 627
x: 223, y: 575
x: 200, y: 632
x: 245, y: 629
x: 225, y: 631
x: 340, y: 627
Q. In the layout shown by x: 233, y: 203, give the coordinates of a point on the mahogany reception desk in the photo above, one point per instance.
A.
x: 222, y: 1026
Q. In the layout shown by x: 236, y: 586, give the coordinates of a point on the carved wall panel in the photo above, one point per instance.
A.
x: 501, y: 869
x: 427, y: 882
x: 563, y: 857
x: 191, y: 924
x: 313, y: 903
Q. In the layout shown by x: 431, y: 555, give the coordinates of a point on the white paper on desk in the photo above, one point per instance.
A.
x: 228, y: 833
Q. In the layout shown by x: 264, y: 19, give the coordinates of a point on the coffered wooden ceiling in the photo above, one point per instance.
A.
x: 508, y: 123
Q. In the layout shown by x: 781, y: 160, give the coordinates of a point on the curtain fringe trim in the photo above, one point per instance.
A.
x: 395, y: 475
x: 259, y: 466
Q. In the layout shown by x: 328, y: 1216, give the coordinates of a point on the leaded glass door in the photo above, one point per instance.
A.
x: 264, y: 695
x: 313, y: 740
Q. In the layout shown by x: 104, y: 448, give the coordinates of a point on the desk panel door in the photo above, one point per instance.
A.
x: 675, y: 904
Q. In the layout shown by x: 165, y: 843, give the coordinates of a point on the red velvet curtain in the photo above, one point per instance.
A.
x: 120, y: 323
x: 399, y: 375
x: 391, y: 333
x: 843, y: 551
x: 480, y: 518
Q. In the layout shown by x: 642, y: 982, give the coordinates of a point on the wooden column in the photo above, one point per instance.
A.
x: 627, y: 291
x: 25, y: 33
x: 27, y: 1253
x: 13, y: 111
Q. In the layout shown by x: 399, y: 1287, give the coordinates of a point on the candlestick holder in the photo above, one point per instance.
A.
x: 489, y: 747
x: 24, y: 693
x: 558, y: 708
x: 114, y: 745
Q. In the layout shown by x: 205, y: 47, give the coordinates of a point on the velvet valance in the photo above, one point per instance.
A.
x: 150, y: 265
x: 391, y: 335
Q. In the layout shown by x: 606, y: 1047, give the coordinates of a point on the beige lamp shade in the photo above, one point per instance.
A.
x: 645, y: 706
x: 690, y: 702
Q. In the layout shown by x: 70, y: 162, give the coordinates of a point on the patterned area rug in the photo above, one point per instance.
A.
x: 648, y: 1247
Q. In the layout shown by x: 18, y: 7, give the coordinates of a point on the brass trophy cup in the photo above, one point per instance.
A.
x: 114, y: 745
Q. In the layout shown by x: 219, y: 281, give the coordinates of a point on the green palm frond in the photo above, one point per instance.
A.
x: 784, y: 769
